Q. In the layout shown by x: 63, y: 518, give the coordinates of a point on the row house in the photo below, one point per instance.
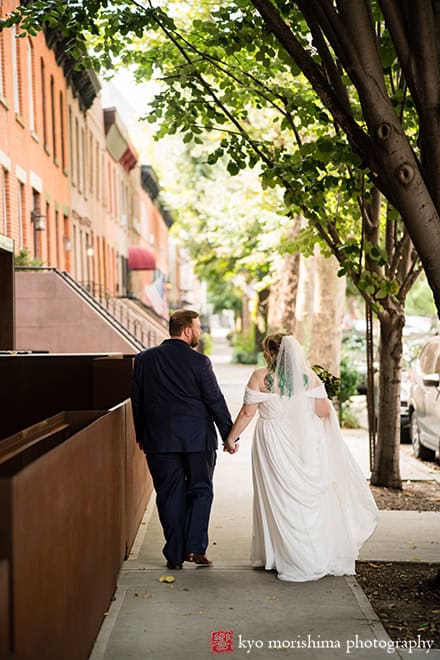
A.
x: 72, y: 192
x: 34, y: 177
x: 149, y: 262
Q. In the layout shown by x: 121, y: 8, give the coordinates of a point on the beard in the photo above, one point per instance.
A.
x: 194, y: 341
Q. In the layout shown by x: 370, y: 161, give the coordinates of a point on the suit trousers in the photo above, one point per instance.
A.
x: 184, y: 494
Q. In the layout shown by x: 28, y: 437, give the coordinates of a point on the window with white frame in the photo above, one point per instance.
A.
x: 30, y: 82
x: 20, y: 212
x: 2, y: 62
x: 16, y: 69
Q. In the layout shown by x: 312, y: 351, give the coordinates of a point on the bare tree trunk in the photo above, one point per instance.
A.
x: 246, y: 320
x: 284, y: 291
x: 386, y: 465
x: 305, y: 301
x: 329, y: 298
x: 283, y: 295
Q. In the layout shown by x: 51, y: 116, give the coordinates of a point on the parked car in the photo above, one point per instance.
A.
x: 424, y: 401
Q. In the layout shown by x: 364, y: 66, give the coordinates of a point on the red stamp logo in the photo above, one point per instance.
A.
x: 222, y: 641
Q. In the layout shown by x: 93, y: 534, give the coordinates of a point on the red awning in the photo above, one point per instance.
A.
x: 141, y: 258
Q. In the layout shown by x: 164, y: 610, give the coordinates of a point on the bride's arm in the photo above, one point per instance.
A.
x: 243, y: 418
x: 322, y: 406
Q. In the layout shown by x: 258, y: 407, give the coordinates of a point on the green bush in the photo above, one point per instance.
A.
x: 23, y: 259
x: 206, y: 343
x: 348, y: 419
x: 244, y: 348
x: 350, y: 379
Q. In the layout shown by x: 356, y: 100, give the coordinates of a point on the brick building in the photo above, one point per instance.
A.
x: 34, y: 183
x: 71, y: 189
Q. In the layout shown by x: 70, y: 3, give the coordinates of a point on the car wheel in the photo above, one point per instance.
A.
x: 405, y: 431
x: 420, y: 451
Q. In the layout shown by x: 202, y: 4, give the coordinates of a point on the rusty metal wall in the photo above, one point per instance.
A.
x: 35, y: 387
x: 5, y: 621
x: 71, y: 515
x: 139, y: 488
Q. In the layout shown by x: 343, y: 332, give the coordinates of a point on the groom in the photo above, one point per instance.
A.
x: 176, y: 401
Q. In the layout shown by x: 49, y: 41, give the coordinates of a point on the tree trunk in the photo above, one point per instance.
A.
x: 261, y: 321
x: 387, y: 452
x: 283, y: 295
x: 304, y: 301
x: 329, y: 298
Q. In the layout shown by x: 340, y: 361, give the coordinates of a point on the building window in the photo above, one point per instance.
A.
x: 48, y: 236
x: 98, y: 172
x: 52, y: 113
x: 4, y: 199
x: 44, y: 100
x: 75, y: 253
x: 16, y: 70
x: 57, y: 239
x: 71, y: 154
x: 109, y: 188
x: 91, y: 164
x: 30, y: 81
x: 115, y: 192
x: 20, y: 213
x: 2, y: 63
x: 62, y: 133
x: 78, y: 164
x: 37, y: 238
x: 84, y: 161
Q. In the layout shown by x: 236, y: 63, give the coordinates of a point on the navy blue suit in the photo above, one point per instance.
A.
x: 176, y: 402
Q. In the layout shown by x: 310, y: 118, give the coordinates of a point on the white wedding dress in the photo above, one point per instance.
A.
x: 312, y: 506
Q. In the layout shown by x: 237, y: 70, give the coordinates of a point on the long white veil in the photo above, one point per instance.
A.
x: 293, y: 373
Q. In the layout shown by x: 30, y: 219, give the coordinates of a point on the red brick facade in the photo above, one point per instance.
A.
x: 70, y: 185
x: 33, y: 150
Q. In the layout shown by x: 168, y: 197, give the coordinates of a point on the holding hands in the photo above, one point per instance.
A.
x: 230, y: 446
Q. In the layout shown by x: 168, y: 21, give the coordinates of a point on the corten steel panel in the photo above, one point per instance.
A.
x: 139, y: 481
x: 36, y: 440
x: 112, y: 380
x: 34, y: 387
x: 67, y: 532
x: 5, y: 622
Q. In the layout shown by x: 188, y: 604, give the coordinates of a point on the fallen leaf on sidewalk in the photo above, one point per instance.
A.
x: 271, y: 597
x: 136, y: 595
x: 167, y: 578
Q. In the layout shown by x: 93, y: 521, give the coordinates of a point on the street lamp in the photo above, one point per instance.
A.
x: 38, y: 219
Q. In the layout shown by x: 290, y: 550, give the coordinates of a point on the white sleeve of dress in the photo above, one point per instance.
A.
x: 317, y: 392
x: 255, y: 396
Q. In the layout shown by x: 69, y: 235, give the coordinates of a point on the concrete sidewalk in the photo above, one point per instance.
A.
x: 328, y: 618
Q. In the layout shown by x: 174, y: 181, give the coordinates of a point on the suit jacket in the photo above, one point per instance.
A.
x: 176, y: 400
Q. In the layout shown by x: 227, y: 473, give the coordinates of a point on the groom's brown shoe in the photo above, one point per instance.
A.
x: 200, y: 560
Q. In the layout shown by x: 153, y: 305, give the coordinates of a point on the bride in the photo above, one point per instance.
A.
x: 312, y: 507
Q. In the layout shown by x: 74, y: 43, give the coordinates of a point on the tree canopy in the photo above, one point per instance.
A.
x: 371, y: 102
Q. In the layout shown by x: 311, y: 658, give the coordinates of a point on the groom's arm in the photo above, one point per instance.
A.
x: 137, y: 400
x: 214, y: 399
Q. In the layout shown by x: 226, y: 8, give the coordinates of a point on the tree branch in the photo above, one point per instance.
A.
x: 357, y: 137
x: 328, y: 62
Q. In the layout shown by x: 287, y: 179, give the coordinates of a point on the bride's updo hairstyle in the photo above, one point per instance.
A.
x: 271, y: 346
